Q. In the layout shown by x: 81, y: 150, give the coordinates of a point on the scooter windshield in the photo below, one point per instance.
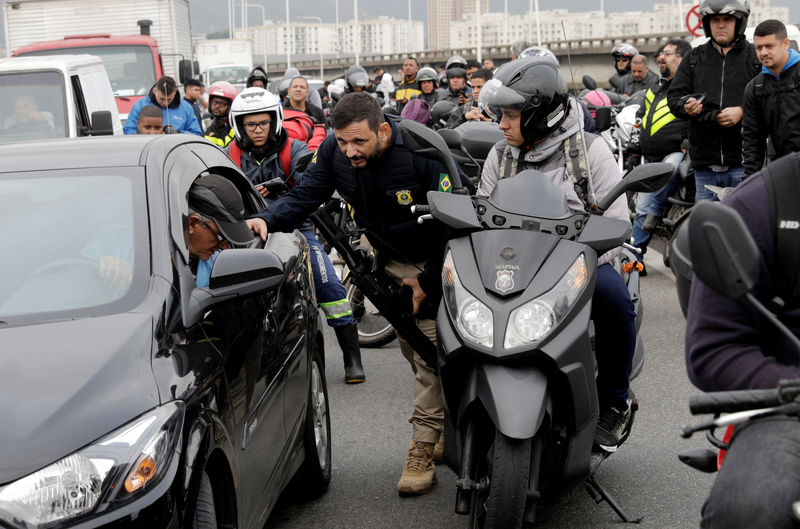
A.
x: 530, y: 194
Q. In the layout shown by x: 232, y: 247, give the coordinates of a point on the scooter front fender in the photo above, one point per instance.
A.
x: 515, y: 398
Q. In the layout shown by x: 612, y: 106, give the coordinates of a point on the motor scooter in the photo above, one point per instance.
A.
x: 515, y: 350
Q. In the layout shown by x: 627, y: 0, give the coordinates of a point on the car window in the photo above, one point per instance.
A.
x: 34, y: 106
x: 77, y: 243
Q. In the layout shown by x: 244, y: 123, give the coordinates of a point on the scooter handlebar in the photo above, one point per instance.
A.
x: 733, y: 401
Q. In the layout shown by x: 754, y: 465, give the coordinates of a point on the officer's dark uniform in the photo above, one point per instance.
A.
x: 391, y: 184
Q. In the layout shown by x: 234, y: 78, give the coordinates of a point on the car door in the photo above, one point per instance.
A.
x: 243, y: 333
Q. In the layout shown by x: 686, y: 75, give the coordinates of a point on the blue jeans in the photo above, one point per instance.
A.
x: 331, y: 295
x: 614, y: 335
x: 759, y: 479
x: 654, y: 203
x: 730, y: 178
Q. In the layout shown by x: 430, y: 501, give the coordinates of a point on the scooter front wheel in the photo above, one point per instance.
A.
x: 502, y: 477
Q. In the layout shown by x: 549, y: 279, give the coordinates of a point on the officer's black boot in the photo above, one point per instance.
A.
x: 347, y: 336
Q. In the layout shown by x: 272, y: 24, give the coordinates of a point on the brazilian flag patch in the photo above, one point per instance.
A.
x: 444, y: 183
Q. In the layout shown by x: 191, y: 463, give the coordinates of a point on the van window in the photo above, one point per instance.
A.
x: 34, y: 106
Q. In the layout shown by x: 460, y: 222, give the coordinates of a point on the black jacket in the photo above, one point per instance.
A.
x: 721, y: 79
x: 771, y: 108
x: 380, y: 194
x: 662, y: 132
x: 630, y: 86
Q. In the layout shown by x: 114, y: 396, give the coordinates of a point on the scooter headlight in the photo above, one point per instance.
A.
x: 113, y: 470
x: 535, y: 319
x: 474, y: 320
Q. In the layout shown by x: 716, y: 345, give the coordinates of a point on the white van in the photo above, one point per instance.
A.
x: 57, y: 96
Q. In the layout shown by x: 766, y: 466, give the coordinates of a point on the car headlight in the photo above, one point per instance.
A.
x: 113, y: 470
x: 535, y: 319
x: 474, y: 320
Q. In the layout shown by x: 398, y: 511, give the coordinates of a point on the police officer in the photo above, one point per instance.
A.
x: 367, y: 163
x: 264, y: 151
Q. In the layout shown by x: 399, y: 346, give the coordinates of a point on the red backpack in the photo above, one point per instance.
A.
x: 301, y: 127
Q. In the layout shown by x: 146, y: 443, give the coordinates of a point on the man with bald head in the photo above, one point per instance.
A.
x: 640, y: 78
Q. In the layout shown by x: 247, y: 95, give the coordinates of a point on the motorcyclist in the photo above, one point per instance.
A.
x: 356, y: 80
x: 639, y: 78
x: 427, y: 79
x: 457, y: 91
x: 220, y: 96
x: 368, y: 164
x: 530, y: 98
x: 660, y: 137
x: 260, y: 150
x: 258, y: 77
x: 469, y: 111
x: 732, y: 346
x: 622, y: 54
x: 410, y: 86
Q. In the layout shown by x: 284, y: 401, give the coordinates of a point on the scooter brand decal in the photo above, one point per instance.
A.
x: 505, y: 280
x: 506, y: 267
x: 404, y: 197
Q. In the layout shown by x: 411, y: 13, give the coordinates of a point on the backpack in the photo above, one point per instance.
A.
x: 418, y: 110
x: 235, y: 154
x: 782, y: 179
x: 576, y: 149
x: 300, y: 126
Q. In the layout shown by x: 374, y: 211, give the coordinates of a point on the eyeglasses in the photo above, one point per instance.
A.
x: 666, y: 53
x: 219, y: 102
x: 253, y: 125
x: 218, y: 235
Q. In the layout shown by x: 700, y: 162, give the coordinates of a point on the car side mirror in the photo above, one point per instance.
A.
x: 644, y: 178
x: 185, y: 70
x: 102, y: 124
x: 723, y: 253
x: 236, y: 273
x: 602, y: 118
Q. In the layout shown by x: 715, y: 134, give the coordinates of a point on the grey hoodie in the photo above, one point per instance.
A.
x: 548, y: 157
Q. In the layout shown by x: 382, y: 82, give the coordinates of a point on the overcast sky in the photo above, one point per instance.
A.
x: 208, y: 15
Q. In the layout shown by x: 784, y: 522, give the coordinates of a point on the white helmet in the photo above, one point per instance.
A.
x: 255, y: 100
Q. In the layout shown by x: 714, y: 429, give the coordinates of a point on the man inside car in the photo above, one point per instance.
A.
x: 215, y: 222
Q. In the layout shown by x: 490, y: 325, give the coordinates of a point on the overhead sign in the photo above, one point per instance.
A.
x: 693, y: 21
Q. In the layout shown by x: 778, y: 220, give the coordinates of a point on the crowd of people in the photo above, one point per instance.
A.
x: 729, y: 103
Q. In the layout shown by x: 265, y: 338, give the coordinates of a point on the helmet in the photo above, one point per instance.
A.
x: 740, y: 9
x: 533, y: 85
x: 456, y: 71
x: 624, y: 50
x: 255, y: 100
x: 257, y: 73
x: 440, y: 113
x: 222, y: 90
x: 427, y: 74
x: 538, y: 51
x: 357, y: 76
x: 594, y: 99
x: 456, y: 61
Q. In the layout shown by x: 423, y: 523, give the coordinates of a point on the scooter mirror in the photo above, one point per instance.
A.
x: 723, y: 253
x: 451, y: 138
x: 589, y: 82
x: 424, y: 142
x: 644, y: 178
x: 602, y: 118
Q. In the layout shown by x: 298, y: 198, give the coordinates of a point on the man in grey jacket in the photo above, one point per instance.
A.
x: 530, y: 98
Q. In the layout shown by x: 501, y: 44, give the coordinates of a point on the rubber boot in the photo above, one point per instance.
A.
x: 347, y: 336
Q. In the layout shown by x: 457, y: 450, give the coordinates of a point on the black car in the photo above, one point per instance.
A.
x: 146, y: 401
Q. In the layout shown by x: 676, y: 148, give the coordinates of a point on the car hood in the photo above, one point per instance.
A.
x: 65, y: 384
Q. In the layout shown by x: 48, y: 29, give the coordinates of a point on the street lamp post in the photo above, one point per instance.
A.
x: 288, y: 41
x: 319, y: 44
x: 263, y: 30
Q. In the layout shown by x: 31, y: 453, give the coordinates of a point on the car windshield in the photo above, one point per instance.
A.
x: 130, y: 68
x: 232, y: 74
x: 79, y: 241
x: 34, y: 106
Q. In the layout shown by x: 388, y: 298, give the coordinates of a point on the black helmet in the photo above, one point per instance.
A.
x: 456, y: 61
x: 535, y: 86
x: 455, y: 71
x: 257, y: 73
x: 357, y: 76
x: 440, y: 113
x: 740, y: 9
x: 427, y: 74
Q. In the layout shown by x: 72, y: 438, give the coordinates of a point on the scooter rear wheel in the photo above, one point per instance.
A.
x: 503, y: 473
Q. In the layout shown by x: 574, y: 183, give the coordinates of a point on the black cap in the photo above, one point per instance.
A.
x: 216, y: 198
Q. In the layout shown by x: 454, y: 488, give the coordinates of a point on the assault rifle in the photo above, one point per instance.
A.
x: 373, y: 282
